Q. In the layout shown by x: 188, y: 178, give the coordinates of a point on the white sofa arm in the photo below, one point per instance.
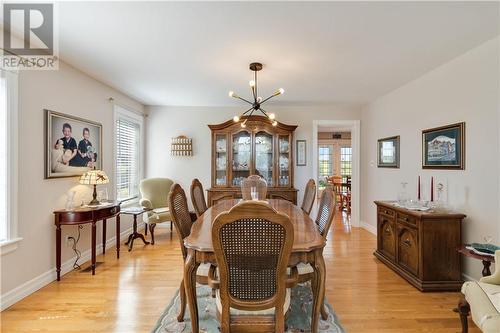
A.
x: 495, y: 277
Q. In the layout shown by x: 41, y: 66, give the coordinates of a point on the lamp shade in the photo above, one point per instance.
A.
x: 94, y: 177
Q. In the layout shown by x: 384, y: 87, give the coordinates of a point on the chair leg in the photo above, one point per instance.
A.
x: 152, y: 231
x: 463, y: 309
x: 145, y: 229
x: 182, y: 310
x: 170, y: 226
x: 324, y: 314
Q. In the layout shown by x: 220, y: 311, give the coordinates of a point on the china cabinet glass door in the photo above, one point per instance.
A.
x: 221, y: 160
x: 264, y: 156
x: 242, y: 157
x: 284, y: 160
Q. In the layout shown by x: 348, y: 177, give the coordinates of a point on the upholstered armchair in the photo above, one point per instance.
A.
x: 154, y: 193
x: 482, y: 300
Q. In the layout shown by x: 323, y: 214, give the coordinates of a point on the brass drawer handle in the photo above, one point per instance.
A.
x: 407, y: 242
x: 406, y: 219
x: 388, y: 231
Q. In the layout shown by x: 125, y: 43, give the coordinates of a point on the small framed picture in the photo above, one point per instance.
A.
x: 444, y: 147
x: 72, y: 145
x: 301, y: 153
x: 388, y: 152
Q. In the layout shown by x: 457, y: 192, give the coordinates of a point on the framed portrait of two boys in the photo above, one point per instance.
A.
x: 72, y: 145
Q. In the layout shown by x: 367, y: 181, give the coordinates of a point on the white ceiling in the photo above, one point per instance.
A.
x: 188, y: 53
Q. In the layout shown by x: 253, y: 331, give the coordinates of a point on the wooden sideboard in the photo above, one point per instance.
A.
x: 420, y: 246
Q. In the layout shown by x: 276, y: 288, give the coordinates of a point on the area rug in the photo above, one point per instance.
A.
x: 299, y: 318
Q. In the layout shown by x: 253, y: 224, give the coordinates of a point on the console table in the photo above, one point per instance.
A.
x: 84, y: 215
x: 420, y: 246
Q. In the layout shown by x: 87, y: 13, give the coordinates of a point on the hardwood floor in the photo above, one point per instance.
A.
x: 129, y: 294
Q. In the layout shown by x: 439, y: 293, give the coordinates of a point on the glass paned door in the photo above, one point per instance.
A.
x: 221, y: 160
x: 242, y: 157
x: 284, y: 160
x: 264, y: 156
x: 325, y: 162
x: 346, y: 161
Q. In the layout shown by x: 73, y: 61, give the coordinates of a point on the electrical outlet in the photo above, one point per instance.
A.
x: 67, y: 241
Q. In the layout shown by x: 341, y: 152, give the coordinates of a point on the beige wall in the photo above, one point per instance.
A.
x: 69, y: 91
x: 465, y: 89
x: 166, y: 122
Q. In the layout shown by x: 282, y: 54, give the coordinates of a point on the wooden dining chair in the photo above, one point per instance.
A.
x: 183, y: 221
x: 324, y: 219
x: 309, y: 196
x: 197, y: 197
x: 252, y: 245
x: 253, y: 181
x: 337, y: 188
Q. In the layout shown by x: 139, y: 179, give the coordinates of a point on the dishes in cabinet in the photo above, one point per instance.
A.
x: 283, y: 161
x: 221, y: 163
x: 284, y: 147
x: 221, y: 145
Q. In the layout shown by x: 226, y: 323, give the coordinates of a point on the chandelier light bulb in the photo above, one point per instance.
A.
x: 281, y: 90
x: 252, y: 83
x: 231, y: 93
x: 236, y: 119
x: 243, y: 125
x: 272, y: 116
x: 275, y: 123
x: 259, y: 99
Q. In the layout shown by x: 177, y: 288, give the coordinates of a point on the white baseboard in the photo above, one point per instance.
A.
x: 15, y: 295
x: 369, y: 227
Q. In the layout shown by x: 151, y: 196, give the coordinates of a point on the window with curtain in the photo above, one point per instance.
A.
x: 8, y: 161
x: 128, y: 153
x: 345, y: 161
x: 3, y: 159
x: 325, y: 155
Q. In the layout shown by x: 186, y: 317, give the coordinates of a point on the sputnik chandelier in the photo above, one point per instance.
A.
x: 257, y: 100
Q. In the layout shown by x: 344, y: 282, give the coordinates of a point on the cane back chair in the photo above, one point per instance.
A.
x: 183, y: 221
x: 252, y: 244
x: 197, y: 197
x: 309, y: 196
x: 326, y: 213
x: 253, y: 181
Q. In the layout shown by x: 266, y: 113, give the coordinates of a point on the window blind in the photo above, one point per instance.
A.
x: 127, y: 157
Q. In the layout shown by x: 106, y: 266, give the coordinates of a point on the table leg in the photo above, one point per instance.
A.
x: 118, y: 236
x: 190, y: 268
x: 486, y: 268
x: 104, y: 236
x: 93, y: 245
x: 319, y: 292
x: 58, y: 252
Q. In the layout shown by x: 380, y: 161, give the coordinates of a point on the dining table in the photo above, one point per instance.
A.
x: 307, y: 248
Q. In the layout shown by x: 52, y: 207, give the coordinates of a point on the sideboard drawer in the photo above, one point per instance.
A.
x: 406, y: 219
x: 386, y: 211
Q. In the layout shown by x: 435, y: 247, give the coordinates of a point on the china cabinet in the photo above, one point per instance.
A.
x: 257, y: 149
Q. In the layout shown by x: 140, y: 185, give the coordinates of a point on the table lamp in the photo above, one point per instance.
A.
x: 94, y: 177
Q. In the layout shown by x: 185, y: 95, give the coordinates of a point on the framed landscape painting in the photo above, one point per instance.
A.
x: 72, y: 145
x: 444, y: 147
x: 388, y: 152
